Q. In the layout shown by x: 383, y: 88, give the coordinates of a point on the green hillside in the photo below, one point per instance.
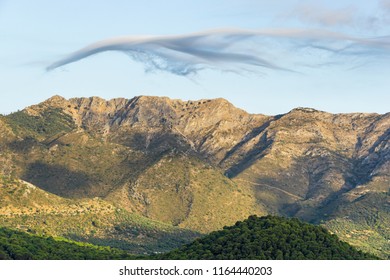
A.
x: 17, y: 245
x: 269, y: 238
x: 364, y: 223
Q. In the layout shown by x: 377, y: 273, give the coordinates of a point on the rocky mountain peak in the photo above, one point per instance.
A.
x: 55, y: 99
x: 304, y: 110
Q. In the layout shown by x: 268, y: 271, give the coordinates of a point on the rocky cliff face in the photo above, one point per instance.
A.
x: 202, y: 164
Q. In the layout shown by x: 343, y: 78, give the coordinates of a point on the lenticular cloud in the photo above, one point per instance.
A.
x: 234, y: 50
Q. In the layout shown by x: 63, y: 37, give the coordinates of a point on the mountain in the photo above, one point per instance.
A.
x: 201, y: 165
x: 126, y: 152
x: 268, y: 238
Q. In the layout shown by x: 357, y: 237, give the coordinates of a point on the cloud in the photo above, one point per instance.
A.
x: 234, y: 50
x: 315, y: 13
x: 352, y: 16
x: 385, y: 4
x: 181, y: 55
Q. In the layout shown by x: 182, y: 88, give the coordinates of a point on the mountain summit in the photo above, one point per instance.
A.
x: 205, y: 164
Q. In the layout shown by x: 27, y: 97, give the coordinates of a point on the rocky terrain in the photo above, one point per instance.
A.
x: 204, y: 164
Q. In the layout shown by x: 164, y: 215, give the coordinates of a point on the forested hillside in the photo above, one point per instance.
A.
x: 18, y: 245
x: 269, y: 238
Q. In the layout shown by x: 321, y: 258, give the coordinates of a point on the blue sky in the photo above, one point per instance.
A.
x: 264, y: 56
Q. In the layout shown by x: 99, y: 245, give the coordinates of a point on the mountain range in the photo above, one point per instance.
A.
x: 141, y: 172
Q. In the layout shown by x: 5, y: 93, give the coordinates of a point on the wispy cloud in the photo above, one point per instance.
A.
x: 319, y: 14
x: 371, y: 18
x: 385, y: 4
x: 234, y: 50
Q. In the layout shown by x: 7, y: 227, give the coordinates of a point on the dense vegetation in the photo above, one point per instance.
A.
x: 364, y: 223
x: 268, y: 238
x: 23, y: 246
x: 255, y: 238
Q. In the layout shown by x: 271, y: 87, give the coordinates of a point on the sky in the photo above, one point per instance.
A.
x: 265, y: 57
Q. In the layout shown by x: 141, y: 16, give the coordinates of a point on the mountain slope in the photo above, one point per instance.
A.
x: 364, y: 222
x: 25, y: 207
x: 122, y: 151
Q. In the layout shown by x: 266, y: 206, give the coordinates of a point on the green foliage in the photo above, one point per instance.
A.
x: 268, y: 238
x: 255, y: 238
x: 364, y: 223
x: 18, y: 245
x: 50, y: 122
x: 126, y: 231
